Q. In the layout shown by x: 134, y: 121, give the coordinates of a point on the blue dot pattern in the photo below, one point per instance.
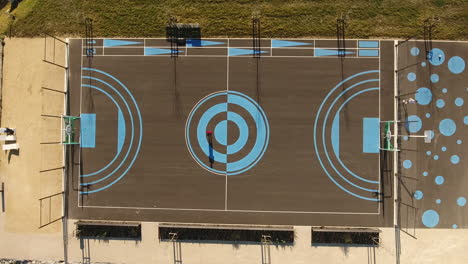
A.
x: 430, y: 218
x: 436, y: 57
x: 455, y: 159
x: 407, y: 164
x: 423, y: 96
x: 459, y: 101
x: 456, y: 65
x: 418, y: 195
x: 414, y: 123
x: 440, y: 103
x: 447, y: 127
x: 461, y: 201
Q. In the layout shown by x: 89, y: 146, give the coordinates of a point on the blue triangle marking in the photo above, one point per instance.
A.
x: 156, y: 51
x: 115, y: 42
x: 237, y: 52
x: 327, y: 52
x: 276, y: 43
x: 201, y: 43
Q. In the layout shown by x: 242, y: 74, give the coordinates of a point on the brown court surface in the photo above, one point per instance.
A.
x: 152, y: 163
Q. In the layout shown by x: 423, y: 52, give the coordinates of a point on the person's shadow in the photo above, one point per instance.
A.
x: 209, y: 134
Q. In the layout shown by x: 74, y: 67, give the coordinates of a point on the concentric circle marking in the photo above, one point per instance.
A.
x: 120, y: 170
x: 326, y: 115
x: 221, y: 153
x: 221, y: 132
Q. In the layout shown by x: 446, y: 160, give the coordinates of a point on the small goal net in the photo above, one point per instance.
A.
x: 69, y: 133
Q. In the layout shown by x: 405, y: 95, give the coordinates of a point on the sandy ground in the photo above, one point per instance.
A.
x: 20, y: 236
x: 24, y: 103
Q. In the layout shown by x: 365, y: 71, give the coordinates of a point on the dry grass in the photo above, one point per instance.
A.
x: 280, y: 18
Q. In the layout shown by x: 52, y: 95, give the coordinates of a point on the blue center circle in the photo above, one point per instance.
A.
x: 220, y: 132
x: 202, y: 149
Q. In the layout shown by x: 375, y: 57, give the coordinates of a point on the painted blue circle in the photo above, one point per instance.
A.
x: 434, y: 78
x: 447, y: 127
x: 456, y: 65
x: 438, y: 201
x: 430, y: 218
x: 439, y: 180
x: 444, y: 148
x: 261, y: 140
x: 455, y: 159
x: 436, y: 157
x: 405, y: 138
x: 425, y: 173
x: 134, y: 154
x: 440, y: 103
x: 414, y: 51
x: 407, y: 164
x: 461, y: 201
x: 428, y: 152
x: 436, y: 57
x: 220, y: 132
x: 431, y: 134
x: 459, y: 141
x: 418, y: 195
x: 454, y: 226
x: 423, y: 96
x: 428, y: 115
x: 414, y: 123
x: 411, y: 77
x: 465, y: 120
x: 444, y: 90
x: 423, y: 64
x: 243, y: 133
x: 459, y: 101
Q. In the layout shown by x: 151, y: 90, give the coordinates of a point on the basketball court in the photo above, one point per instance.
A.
x: 285, y: 131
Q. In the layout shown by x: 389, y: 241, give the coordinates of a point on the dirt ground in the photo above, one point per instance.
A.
x: 34, y: 171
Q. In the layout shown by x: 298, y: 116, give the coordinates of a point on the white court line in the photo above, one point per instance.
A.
x: 226, y: 47
x: 395, y: 138
x: 239, y: 56
x: 380, y: 118
x: 221, y: 210
x: 222, y: 56
x: 81, y: 102
x: 227, y: 89
x: 64, y: 147
x: 295, y: 39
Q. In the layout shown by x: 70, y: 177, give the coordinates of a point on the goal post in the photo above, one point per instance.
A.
x: 69, y: 135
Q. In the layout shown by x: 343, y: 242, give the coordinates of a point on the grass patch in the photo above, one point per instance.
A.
x: 231, y: 18
x: 9, y: 19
